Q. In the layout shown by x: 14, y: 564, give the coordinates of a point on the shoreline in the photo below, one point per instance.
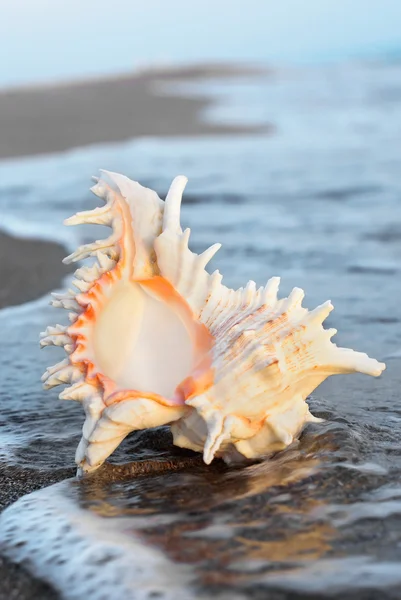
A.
x: 192, y: 71
x: 49, y: 118
x: 56, y: 117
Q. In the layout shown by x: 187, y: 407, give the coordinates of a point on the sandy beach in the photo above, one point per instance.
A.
x: 44, y: 119
x: 29, y: 269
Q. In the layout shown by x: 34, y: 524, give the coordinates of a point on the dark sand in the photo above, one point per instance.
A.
x: 43, y: 119
x: 46, y: 119
x: 29, y: 269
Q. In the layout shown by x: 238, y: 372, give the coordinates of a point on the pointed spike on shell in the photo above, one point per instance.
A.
x: 57, y: 367
x: 171, y: 217
x: 54, y: 336
x: 319, y: 314
x: 80, y: 454
x: 96, y: 454
x: 106, y: 263
x: 185, y: 237
x: 54, y: 330
x: 349, y: 361
x: 51, y: 382
x: 207, y: 255
x: 250, y: 291
x: 68, y: 294
x: 216, y: 279
x: 271, y: 291
x: 93, y: 407
x: 82, y: 286
x: 55, y: 340
x: 219, y: 430
x: 78, y: 392
x: 312, y: 419
x: 259, y: 294
x: 100, y: 189
x: 65, y: 301
x: 106, y: 246
x: 294, y: 299
x: 88, y: 274
x: 97, y: 216
x: 68, y: 375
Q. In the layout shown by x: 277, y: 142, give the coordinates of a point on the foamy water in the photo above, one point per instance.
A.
x: 318, y: 204
x: 85, y: 555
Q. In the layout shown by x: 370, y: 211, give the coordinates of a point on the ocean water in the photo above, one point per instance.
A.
x: 317, y: 203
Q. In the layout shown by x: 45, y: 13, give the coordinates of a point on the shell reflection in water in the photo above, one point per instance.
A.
x: 155, y: 339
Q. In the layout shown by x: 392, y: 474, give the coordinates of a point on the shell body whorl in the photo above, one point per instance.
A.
x: 155, y: 339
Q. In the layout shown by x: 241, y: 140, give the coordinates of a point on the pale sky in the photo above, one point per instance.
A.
x: 47, y: 39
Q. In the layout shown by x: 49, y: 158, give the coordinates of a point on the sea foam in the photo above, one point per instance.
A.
x: 84, y: 555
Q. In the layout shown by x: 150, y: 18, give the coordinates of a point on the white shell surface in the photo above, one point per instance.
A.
x: 156, y: 339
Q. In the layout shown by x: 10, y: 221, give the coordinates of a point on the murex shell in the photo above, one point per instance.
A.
x: 155, y: 339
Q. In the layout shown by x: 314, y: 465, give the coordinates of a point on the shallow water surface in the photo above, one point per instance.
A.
x: 316, y: 203
x: 321, y: 518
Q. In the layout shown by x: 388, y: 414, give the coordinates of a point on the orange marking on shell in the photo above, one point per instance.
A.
x: 196, y: 384
x: 203, y: 339
x: 90, y: 313
x: 255, y: 425
x: 74, y: 357
x: 91, y: 372
x: 135, y: 394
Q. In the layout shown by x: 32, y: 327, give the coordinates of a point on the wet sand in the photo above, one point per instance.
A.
x: 45, y: 119
x: 29, y: 269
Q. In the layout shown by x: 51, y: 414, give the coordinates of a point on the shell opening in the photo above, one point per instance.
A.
x: 142, y: 342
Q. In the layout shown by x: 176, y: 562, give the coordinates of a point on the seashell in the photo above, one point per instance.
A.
x: 155, y: 339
